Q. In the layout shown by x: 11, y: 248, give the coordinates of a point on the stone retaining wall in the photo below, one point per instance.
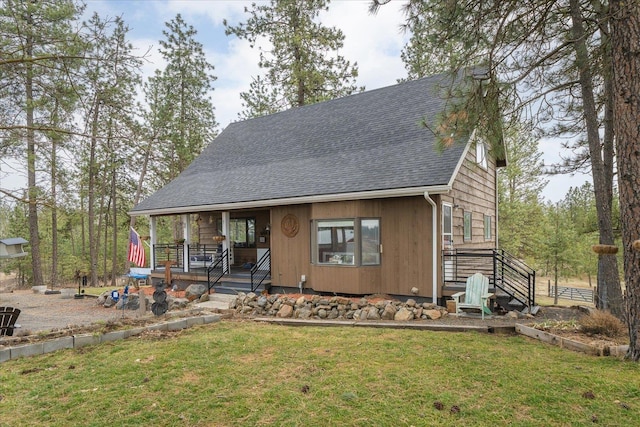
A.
x: 322, y: 307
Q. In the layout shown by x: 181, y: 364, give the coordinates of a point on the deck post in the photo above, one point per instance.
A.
x: 227, y: 246
x: 186, y: 233
x: 152, y: 237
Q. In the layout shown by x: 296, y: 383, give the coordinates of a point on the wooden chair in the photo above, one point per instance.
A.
x: 8, y: 317
x: 475, y: 296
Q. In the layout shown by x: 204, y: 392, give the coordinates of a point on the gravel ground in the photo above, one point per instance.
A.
x: 41, y: 312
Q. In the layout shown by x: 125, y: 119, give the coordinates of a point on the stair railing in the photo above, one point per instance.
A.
x: 217, y: 270
x: 515, y: 278
x: 261, y: 270
x: 505, y: 272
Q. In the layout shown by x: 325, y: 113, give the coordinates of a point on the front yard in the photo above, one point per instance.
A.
x: 247, y: 373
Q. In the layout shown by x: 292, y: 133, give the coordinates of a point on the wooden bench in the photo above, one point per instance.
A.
x: 8, y: 317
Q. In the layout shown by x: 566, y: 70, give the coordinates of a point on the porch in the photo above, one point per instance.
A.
x: 181, y: 265
x: 511, y: 280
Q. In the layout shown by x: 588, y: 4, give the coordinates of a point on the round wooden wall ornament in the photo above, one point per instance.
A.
x: 290, y: 225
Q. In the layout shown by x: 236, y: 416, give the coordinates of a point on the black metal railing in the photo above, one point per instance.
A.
x: 168, y: 255
x: 197, y: 255
x: 217, y: 270
x: 261, y: 270
x: 506, y: 273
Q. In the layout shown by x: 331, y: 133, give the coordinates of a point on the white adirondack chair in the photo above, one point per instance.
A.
x: 475, y: 296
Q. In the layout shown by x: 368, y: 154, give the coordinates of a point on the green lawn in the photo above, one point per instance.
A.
x: 249, y: 374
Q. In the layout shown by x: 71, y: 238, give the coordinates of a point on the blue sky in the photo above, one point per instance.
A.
x: 373, y: 41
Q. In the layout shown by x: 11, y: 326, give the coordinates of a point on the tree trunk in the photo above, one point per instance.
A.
x: 609, y: 294
x: 34, y: 235
x: 625, y: 45
x: 93, y: 170
x: 54, y: 213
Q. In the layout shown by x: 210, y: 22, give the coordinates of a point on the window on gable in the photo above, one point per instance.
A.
x: 467, y: 226
x: 481, y: 154
x: 487, y: 227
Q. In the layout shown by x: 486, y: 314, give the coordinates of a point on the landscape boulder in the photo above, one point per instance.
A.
x: 194, y: 291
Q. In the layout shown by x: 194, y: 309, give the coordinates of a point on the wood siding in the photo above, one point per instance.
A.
x: 290, y: 255
x: 405, y: 227
x: 474, y: 190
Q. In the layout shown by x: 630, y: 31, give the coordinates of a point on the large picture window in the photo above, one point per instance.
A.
x: 347, y: 241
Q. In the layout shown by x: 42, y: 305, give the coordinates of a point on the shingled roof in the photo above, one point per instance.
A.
x: 366, y: 145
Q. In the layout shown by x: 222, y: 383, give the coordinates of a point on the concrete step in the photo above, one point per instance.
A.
x: 217, y: 300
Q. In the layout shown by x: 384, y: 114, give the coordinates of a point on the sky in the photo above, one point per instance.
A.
x: 373, y: 42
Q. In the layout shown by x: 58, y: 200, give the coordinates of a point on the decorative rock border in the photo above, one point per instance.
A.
x: 335, y: 307
x: 82, y: 340
x: 549, y: 338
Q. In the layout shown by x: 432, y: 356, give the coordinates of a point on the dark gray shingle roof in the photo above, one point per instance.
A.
x: 365, y: 142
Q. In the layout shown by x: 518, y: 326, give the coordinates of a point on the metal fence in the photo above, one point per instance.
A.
x: 575, y: 294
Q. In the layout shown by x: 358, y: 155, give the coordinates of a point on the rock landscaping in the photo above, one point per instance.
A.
x: 335, y: 307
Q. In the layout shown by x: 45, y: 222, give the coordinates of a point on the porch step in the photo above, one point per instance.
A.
x: 234, y: 286
x: 217, y: 301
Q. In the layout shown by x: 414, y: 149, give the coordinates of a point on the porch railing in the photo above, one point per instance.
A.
x: 261, y: 270
x: 506, y: 273
x: 217, y: 270
x: 198, y: 256
x: 164, y: 253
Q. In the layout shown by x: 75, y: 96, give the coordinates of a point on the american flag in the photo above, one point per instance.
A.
x: 136, y: 249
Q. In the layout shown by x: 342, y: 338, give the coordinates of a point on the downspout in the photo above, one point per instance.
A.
x: 434, y: 242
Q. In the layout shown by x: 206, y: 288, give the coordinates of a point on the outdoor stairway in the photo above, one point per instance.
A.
x: 234, y: 283
x: 224, y: 280
x: 511, y: 280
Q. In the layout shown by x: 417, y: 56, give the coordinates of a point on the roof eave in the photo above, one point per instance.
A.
x: 374, y: 194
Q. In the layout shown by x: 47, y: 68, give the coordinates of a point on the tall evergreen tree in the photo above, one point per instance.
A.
x: 543, y: 52
x: 183, y: 119
x: 520, y: 185
x: 108, y: 79
x: 625, y: 45
x: 302, y: 63
x: 39, y: 47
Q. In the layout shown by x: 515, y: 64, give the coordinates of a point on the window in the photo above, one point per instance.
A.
x: 242, y: 232
x: 347, y: 241
x: 481, y: 154
x: 447, y: 226
x: 370, y: 236
x: 487, y: 227
x: 467, y: 226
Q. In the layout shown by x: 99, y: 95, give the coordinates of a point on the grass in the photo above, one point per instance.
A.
x: 252, y: 374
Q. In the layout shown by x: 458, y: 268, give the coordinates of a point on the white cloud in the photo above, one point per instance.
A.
x: 373, y: 41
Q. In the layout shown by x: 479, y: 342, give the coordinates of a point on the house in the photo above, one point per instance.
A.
x: 12, y: 247
x: 348, y: 196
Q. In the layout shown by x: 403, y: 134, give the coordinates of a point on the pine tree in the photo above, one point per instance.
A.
x: 543, y: 53
x: 184, y: 120
x: 38, y: 50
x: 302, y: 63
x: 520, y: 185
x: 626, y: 71
x: 109, y: 78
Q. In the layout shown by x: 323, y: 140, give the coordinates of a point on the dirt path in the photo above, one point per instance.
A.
x: 41, y: 312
